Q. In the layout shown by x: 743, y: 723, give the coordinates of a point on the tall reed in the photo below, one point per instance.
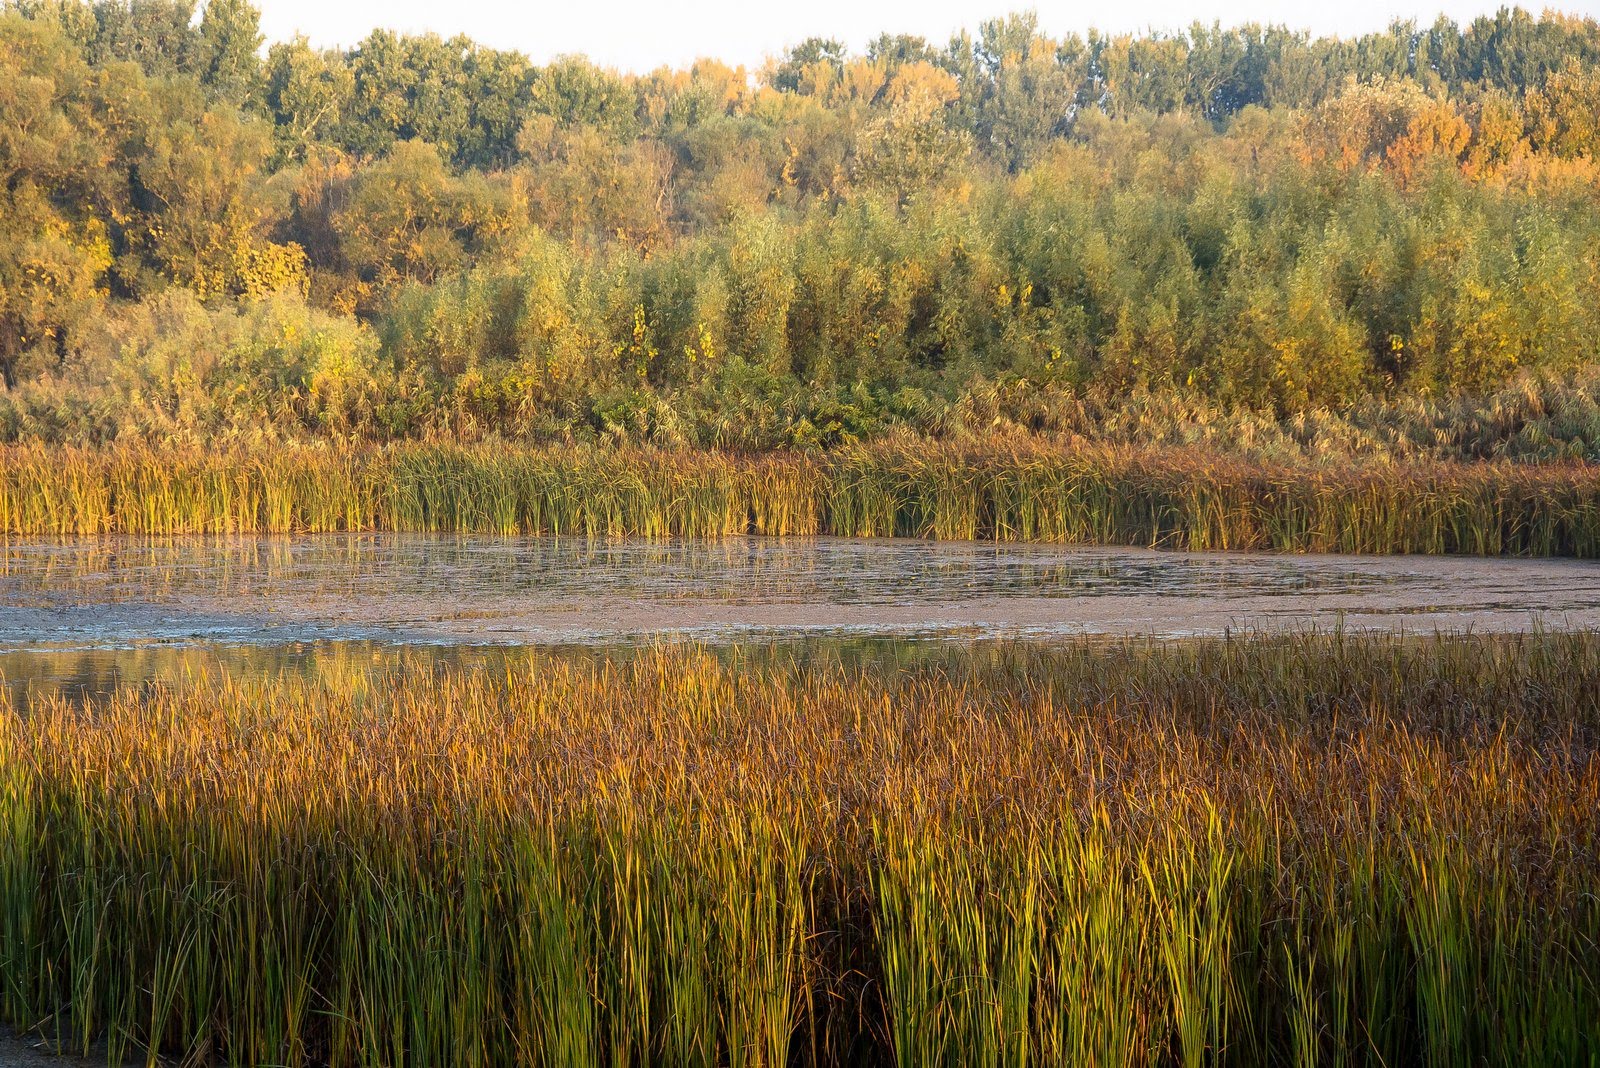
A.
x: 1304, y: 850
x: 1009, y: 490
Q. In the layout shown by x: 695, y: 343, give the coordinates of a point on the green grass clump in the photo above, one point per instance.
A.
x: 1306, y: 850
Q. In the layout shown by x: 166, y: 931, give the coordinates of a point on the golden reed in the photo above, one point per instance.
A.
x: 1298, y: 850
x: 1008, y: 490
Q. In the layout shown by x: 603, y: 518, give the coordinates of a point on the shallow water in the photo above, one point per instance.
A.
x: 448, y: 590
x: 122, y: 606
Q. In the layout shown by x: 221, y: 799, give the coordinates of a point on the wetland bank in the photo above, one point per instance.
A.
x: 1028, y: 549
x: 402, y: 756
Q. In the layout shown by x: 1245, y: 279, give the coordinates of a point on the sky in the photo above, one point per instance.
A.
x: 640, y: 35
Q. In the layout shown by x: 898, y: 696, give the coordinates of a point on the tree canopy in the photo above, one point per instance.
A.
x: 791, y: 254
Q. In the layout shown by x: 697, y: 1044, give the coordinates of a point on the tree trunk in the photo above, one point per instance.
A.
x: 10, y: 349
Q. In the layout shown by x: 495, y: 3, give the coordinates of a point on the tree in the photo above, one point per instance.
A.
x: 408, y: 219
x: 593, y: 189
x: 1394, y: 125
x: 1016, y: 90
x: 1564, y: 111
x: 50, y: 271
x: 724, y: 167
x: 808, y: 67
x: 381, y: 98
x: 57, y: 141
x: 894, y: 51
x: 158, y: 35
x: 1251, y: 212
x: 308, y: 95
x: 226, y: 54
x: 201, y: 214
x: 673, y: 103
x: 908, y: 145
x: 1498, y: 134
x: 574, y: 92
x: 499, y: 91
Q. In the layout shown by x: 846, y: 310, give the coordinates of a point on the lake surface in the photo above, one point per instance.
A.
x: 83, y: 616
x: 127, y: 593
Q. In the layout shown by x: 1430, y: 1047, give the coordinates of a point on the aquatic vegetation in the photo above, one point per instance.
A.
x: 1008, y: 489
x: 1310, y: 849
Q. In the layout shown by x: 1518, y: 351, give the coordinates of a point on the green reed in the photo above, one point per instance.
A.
x: 1329, y: 849
x: 1007, y: 491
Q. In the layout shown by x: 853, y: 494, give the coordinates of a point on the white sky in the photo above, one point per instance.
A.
x: 640, y: 35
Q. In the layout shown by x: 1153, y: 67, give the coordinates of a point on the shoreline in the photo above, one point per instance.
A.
x: 1005, y: 491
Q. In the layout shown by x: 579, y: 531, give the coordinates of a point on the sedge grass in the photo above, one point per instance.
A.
x: 1006, y: 491
x: 1306, y: 849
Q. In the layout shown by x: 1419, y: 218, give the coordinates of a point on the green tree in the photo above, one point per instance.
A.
x: 593, y: 189
x: 574, y: 92
x: 308, y: 94
x: 808, y: 67
x: 227, y: 58
x: 909, y: 145
x: 1020, y: 89
x: 58, y: 131
x: 158, y: 35
x: 408, y: 219
x: 202, y: 213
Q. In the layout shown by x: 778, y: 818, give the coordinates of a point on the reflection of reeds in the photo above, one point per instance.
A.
x: 1309, y: 849
x: 1012, y: 492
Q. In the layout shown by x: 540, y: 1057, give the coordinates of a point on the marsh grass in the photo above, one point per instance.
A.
x: 1009, y: 490
x: 1308, y: 850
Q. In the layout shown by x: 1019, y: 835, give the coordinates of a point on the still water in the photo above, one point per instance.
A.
x: 126, y: 606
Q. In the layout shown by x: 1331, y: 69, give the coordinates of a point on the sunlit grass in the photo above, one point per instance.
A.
x: 1309, y: 850
x: 1008, y: 491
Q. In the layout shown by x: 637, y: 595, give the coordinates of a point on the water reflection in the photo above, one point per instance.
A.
x: 734, y: 571
x: 89, y: 676
x: 95, y: 594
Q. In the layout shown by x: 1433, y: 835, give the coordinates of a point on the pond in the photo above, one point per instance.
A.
x: 123, y: 606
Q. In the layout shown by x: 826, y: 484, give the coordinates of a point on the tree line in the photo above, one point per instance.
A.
x: 416, y: 236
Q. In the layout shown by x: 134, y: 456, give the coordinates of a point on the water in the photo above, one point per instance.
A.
x: 87, y: 611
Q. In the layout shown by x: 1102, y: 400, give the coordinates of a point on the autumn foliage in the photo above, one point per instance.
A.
x: 472, y: 244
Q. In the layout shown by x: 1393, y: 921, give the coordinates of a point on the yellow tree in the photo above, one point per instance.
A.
x: 50, y: 272
x: 57, y: 119
x: 1498, y: 139
x: 1392, y: 125
x: 408, y: 219
x: 1564, y: 113
x: 908, y: 145
x: 203, y: 216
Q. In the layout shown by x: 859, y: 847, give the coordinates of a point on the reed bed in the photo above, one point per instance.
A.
x: 1009, y: 490
x: 1300, y: 850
